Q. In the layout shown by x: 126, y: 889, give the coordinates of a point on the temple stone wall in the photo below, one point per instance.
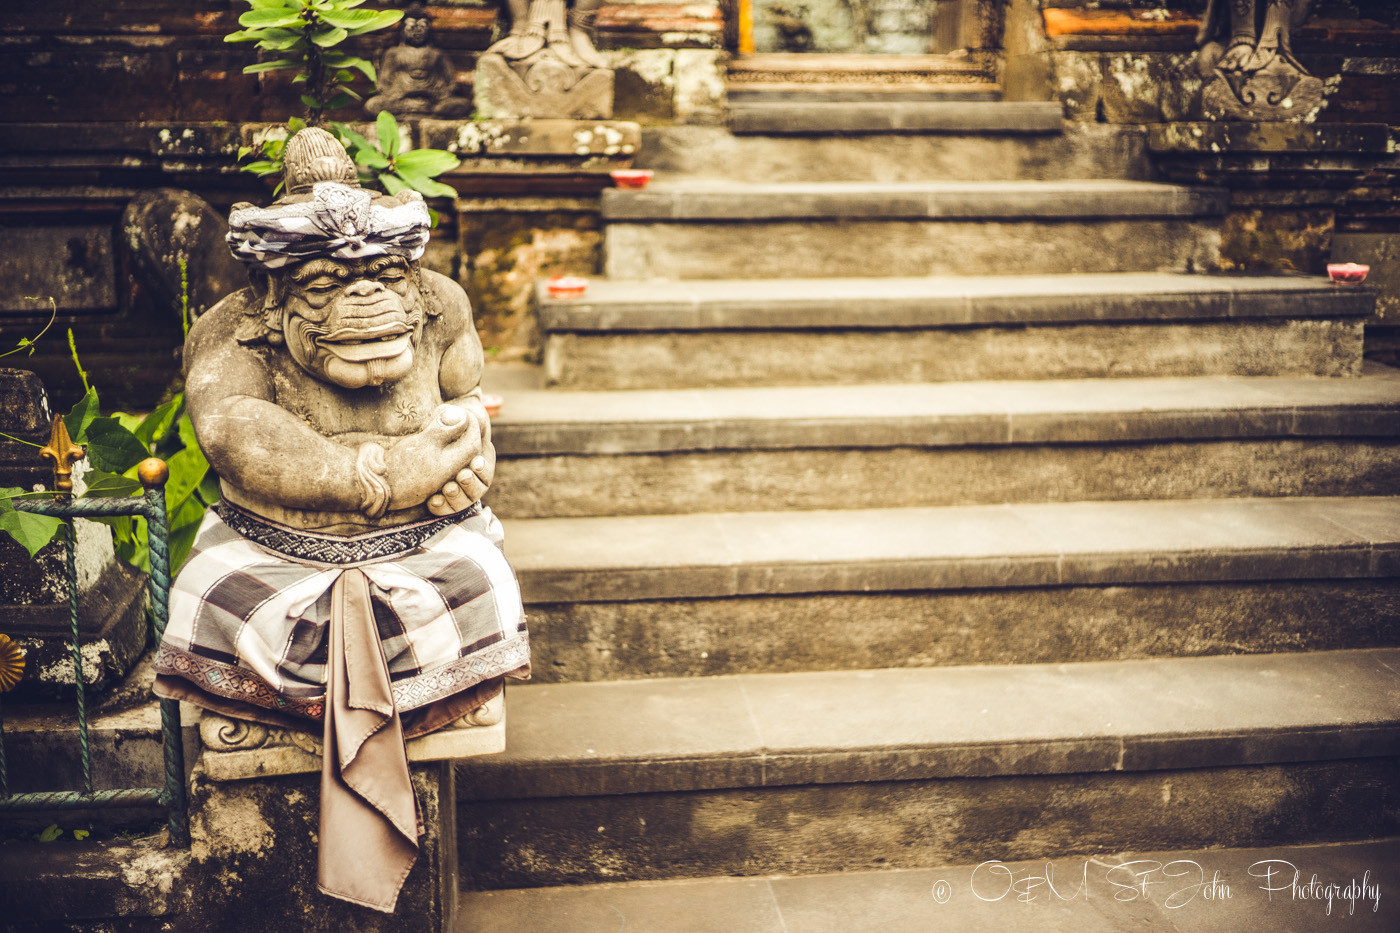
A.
x: 1323, y: 189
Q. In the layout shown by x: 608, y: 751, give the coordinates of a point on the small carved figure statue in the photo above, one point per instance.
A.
x: 415, y: 78
x: 535, y: 24
x: 547, y: 66
x: 350, y: 580
x: 1249, y: 63
x: 790, y: 22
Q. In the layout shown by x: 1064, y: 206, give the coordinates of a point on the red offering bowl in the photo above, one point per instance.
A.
x: 632, y: 178
x: 1349, y: 273
x: 493, y: 404
x: 567, y: 286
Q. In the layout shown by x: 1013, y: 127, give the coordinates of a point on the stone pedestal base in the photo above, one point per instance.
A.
x: 1283, y: 96
x: 541, y: 86
x: 254, y: 814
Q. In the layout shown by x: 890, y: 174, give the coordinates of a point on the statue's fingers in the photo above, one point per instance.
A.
x: 471, y: 485
x: 438, y: 505
x: 456, y: 497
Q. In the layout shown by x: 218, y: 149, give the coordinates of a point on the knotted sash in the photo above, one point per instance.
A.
x: 369, y: 814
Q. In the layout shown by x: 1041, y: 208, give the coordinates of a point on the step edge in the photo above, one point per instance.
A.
x: 1087, y: 748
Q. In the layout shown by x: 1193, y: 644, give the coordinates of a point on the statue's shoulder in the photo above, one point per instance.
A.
x: 446, y: 299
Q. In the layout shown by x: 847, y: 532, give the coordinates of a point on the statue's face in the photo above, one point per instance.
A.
x: 353, y: 323
x: 415, y: 30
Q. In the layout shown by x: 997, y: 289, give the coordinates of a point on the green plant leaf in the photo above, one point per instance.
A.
x: 262, y: 19
x: 371, y: 158
x: 209, y: 491
x: 187, y: 470
x: 426, y: 186
x: 102, y: 485
x: 48, y: 834
x: 330, y: 38
x: 286, y: 44
x: 428, y: 162
x: 392, y: 183
x: 123, y: 535
x: 361, y: 65
x: 80, y: 417
x: 244, y: 35
x: 294, y: 126
x: 387, y: 129
x: 350, y: 138
x: 281, y: 64
x: 111, y: 448
x: 310, y: 102
x: 184, y: 526
x: 157, y: 424
x: 30, y: 530
x: 341, y: 98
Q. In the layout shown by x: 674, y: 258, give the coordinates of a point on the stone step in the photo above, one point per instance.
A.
x: 715, y: 229
x: 737, y: 332
x: 1207, y: 890
x: 881, y: 769
x: 569, y: 454
x: 738, y: 593
x: 1081, y: 151
x: 868, y: 93
x: 805, y: 117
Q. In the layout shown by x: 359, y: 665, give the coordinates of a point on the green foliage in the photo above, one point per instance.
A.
x: 115, y: 444
x: 27, y: 344
x: 380, y: 162
x: 31, y: 531
x: 305, y: 35
x: 383, y: 164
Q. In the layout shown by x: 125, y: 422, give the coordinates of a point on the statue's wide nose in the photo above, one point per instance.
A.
x: 364, y: 288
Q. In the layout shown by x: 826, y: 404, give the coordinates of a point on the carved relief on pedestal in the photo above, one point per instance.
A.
x: 1247, y: 61
x: 236, y: 749
x: 547, y: 66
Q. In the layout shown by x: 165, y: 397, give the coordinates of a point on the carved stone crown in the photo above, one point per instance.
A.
x: 314, y: 156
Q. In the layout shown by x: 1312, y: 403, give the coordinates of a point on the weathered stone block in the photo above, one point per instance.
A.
x: 1263, y: 240
x: 253, y: 859
x: 1380, y: 251
x: 506, y: 246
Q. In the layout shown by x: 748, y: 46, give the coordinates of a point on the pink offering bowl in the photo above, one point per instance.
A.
x: 1350, y: 273
x: 567, y: 286
x: 493, y: 404
x: 632, y: 178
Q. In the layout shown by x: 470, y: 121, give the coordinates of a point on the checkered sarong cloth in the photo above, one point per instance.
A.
x: 250, y: 612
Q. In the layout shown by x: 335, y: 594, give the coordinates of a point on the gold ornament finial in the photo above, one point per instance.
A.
x: 64, y: 453
x: 11, y: 664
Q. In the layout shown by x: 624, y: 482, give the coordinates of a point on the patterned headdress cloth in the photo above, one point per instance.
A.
x: 337, y: 222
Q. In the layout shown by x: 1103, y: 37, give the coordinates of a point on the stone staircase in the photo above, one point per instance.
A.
x: 873, y: 518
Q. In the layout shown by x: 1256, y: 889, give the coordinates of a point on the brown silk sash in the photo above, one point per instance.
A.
x: 369, y: 814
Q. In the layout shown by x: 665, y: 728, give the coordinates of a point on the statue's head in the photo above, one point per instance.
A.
x: 336, y: 269
x: 416, y: 27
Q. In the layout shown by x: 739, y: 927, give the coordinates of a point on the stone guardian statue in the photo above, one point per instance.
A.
x: 350, y: 581
x: 1247, y: 61
x: 547, y: 66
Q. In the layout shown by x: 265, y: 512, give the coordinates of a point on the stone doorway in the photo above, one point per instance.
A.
x: 895, y: 46
x: 848, y: 27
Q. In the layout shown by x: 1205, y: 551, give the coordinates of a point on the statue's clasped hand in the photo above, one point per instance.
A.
x: 447, y: 466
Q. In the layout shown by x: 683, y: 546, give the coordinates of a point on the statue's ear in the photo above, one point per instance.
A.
x: 262, y: 316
